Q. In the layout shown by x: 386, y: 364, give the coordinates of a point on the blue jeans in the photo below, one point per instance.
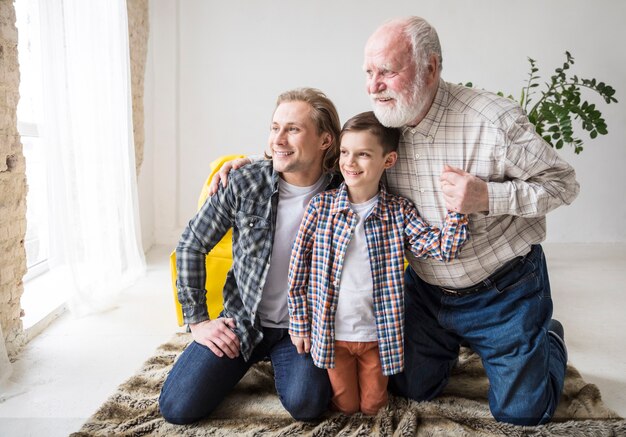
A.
x: 506, y: 325
x: 200, y: 380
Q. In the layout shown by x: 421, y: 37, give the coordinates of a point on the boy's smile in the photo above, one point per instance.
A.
x: 362, y: 162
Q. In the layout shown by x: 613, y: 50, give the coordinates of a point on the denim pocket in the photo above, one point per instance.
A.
x: 524, y: 279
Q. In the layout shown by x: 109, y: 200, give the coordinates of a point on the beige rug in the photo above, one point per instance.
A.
x: 254, y: 409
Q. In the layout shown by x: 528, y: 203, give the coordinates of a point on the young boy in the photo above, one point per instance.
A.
x: 346, y: 297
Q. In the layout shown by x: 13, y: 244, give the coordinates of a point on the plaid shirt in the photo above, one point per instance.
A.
x: 491, y: 138
x: 317, y: 261
x: 248, y: 206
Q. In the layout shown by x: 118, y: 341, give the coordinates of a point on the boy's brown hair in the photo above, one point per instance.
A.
x: 388, y: 137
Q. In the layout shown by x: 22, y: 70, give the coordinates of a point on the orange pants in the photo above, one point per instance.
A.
x: 357, y: 379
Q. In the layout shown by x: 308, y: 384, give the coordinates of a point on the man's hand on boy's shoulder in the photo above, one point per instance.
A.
x: 217, y: 335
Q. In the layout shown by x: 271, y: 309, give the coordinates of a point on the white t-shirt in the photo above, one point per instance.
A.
x: 354, y: 319
x: 292, y: 203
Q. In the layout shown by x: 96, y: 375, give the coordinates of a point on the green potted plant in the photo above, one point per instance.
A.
x: 554, y: 109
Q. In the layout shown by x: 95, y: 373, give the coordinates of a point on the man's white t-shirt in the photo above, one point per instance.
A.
x: 292, y: 203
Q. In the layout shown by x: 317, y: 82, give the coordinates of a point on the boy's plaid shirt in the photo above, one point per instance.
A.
x: 317, y: 261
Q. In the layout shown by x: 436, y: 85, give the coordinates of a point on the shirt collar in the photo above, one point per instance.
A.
x: 330, y: 181
x: 342, y: 202
x: 429, y: 124
x: 275, y: 177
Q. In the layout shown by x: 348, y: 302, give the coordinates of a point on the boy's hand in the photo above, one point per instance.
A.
x: 302, y: 344
x: 217, y: 335
x: 222, y: 174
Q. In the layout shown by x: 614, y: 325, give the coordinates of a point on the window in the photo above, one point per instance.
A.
x: 40, y: 297
x: 28, y: 116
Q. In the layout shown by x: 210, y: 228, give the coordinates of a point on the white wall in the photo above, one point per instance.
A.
x: 217, y: 67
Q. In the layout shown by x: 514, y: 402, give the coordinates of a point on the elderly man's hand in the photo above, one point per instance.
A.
x: 463, y: 192
x: 222, y: 174
x: 217, y: 335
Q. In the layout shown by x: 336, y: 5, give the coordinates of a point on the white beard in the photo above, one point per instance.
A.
x: 406, y: 110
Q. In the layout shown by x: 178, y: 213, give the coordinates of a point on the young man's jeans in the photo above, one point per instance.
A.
x: 506, y: 325
x: 199, y: 380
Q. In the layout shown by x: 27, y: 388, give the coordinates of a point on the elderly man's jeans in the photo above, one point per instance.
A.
x: 199, y: 380
x: 507, y: 326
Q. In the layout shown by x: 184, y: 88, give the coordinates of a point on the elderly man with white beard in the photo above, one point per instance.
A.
x: 473, y: 152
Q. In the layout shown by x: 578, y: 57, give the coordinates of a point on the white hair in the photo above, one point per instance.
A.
x: 424, y: 41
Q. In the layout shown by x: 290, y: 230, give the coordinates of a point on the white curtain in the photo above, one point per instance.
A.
x: 87, y: 130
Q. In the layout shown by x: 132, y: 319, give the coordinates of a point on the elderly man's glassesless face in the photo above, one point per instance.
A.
x: 392, y: 81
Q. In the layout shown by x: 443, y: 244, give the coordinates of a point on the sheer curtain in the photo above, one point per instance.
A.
x: 87, y: 129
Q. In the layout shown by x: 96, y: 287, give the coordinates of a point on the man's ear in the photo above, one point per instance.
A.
x: 390, y: 159
x: 327, y: 141
x: 432, y: 72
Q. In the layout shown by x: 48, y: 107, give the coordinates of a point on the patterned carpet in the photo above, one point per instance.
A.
x: 254, y: 409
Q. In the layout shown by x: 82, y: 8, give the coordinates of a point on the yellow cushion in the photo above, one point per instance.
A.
x: 218, y: 260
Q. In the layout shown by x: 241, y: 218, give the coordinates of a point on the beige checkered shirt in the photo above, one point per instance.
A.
x: 490, y: 137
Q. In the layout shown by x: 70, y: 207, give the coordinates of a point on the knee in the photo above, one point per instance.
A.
x: 521, y: 420
x: 307, y: 405
x: 349, y: 409
x: 416, y: 387
x: 304, y: 409
x: 347, y: 405
x: 525, y: 414
x: 176, y: 411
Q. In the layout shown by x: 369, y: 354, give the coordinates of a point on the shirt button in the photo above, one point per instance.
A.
x: 412, y: 131
x: 336, y: 283
x: 421, y: 190
x: 417, y: 156
x: 251, y: 224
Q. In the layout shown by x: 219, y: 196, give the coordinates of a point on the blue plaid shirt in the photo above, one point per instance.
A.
x: 248, y: 206
x: 318, y: 256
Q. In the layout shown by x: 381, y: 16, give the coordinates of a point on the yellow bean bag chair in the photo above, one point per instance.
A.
x: 218, y: 260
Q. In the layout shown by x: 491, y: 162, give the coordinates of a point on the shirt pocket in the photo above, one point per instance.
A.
x: 253, y: 232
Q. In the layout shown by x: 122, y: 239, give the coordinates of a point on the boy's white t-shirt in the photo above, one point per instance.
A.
x: 292, y: 203
x: 354, y: 319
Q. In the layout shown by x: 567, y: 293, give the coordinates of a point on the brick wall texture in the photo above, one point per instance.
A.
x: 13, y: 187
x: 138, y: 36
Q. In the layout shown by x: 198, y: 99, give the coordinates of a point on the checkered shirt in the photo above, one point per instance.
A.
x: 248, y: 206
x: 491, y: 138
x: 318, y: 257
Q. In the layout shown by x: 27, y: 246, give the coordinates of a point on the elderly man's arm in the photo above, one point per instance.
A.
x: 536, y: 179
